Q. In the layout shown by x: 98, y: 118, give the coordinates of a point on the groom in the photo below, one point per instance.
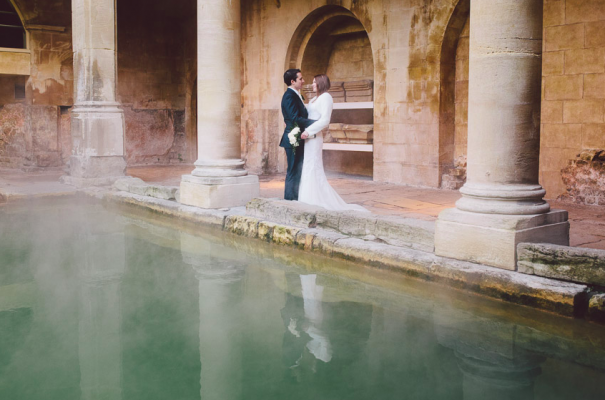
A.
x: 295, y: 113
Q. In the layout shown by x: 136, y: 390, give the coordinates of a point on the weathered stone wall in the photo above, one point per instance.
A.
x: 156, y: 75
x: 32, y: 108
x: 584, y: 178
x: 351, y: 59
x: 573, y: 86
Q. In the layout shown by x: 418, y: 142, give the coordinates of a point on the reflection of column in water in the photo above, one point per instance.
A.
x: 101, y: 259
x: 220, y: 289
x: 493, y: 366
x: 504, y: 380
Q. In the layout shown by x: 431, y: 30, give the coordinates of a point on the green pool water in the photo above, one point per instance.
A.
x: 99, y: 303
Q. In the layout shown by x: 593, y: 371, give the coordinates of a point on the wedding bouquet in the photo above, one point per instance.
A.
x: 294, y: 138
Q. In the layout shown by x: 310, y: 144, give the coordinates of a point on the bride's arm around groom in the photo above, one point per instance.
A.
x: 323, y: 104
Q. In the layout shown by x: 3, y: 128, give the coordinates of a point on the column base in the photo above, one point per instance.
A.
x: 491, y: 239
x: 86, y: 171
x: 207, y: 192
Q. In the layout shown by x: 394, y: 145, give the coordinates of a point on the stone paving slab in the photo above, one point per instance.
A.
x: 393, y: 230
x: 14, y: 186
x: 573, y: 264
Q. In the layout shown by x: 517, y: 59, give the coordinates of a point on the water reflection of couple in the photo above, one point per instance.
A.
x: 319, y: 335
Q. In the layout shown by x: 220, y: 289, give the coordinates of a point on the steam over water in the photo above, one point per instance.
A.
x: 97, y: 303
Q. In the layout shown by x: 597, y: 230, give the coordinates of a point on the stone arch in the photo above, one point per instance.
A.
x: 333, y: 40
x: 308, y: 28
x: 448, y: 95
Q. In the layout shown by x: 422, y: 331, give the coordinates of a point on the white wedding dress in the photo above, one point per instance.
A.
x: 314, y: 187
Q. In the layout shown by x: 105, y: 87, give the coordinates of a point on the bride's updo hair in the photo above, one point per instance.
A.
x: 323, y: 83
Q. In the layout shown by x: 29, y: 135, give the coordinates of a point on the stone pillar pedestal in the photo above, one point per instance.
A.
x: 219, y: 179
x: 97, y: 126
x: 502, y: 203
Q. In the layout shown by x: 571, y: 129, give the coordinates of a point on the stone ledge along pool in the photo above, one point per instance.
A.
x: 100, y: 302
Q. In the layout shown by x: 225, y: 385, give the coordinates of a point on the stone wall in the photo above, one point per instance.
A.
x: 156, y: 84
x: 156, y: 76
x: 32, y: 107
x: 573, y: 86
x: 584, y: 178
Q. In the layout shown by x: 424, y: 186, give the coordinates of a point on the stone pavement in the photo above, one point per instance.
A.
x: 16, y: 184
x: 587, y: 222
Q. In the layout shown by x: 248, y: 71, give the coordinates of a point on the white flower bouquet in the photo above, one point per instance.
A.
x: 294, y: 138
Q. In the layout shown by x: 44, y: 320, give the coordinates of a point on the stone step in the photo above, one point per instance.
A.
x: 138, y: 186
x: 575, y: 264
x: 396, y: 231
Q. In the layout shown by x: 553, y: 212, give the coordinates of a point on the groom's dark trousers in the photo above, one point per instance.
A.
x: 295, y: 114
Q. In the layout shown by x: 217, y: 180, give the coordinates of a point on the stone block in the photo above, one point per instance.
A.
x: 406, y: 232
x: 554, y: 12
x: 564, y: 37
x: 347, y: 133
x: 15, y: 63
x: 594, y: 86
x: 265, y: 230
x: 285, y: 235
x: 584, y: 11
x: 283, y: 211
x: 596, y: 307
x: 573, y: 264
x: 327, y: 220
x: 583, y: 111
x: 98, y: 133
x: 595, y: 34
x: 304, y: 239
x: 337, y: 92
x: 585, y: 61
x: 161, y: 192
x: 354, y: 224
x: 593, y: 136
x: 218, y: 192
x: 492, y: 239
x: 552, y: 112
x: 323, y: 242
x: 359, y: 90
x: 242, y: 225
x: 563, y: 87
x: 124, y: 184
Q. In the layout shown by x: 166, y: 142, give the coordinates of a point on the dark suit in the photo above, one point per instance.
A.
x: 295, y: 113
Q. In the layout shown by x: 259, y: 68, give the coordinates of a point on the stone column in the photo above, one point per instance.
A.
x: 502, y: 203
x: 97, y: 122
x: 219, y: 178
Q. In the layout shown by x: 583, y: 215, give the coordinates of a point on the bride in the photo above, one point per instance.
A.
x: 314, y: 186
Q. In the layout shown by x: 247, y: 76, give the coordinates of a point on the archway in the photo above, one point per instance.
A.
x: 453, y: 106
x: 12, y: 32
x: 331, y: 40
